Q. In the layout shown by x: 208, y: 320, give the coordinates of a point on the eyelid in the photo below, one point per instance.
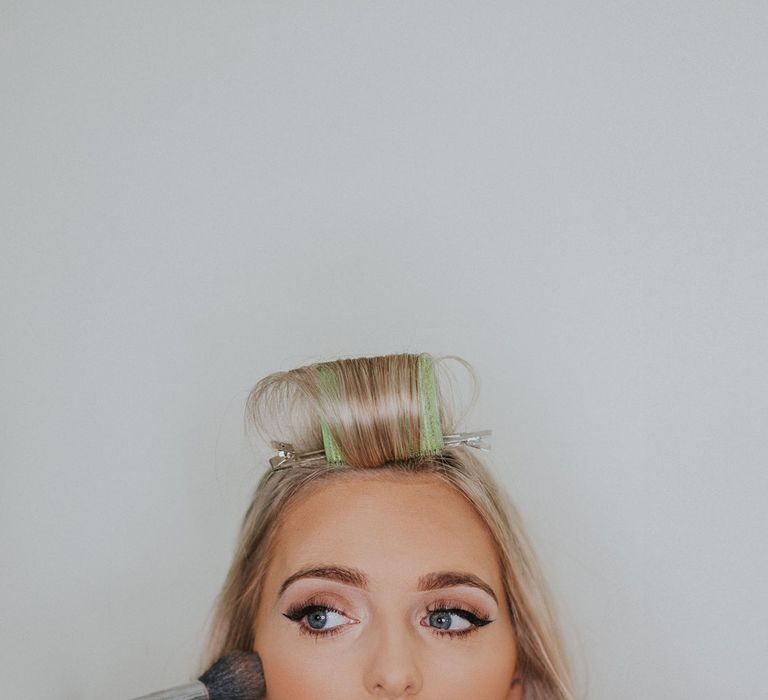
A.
x: 445, y: 603
x: 314, y: 601
x: 468, y: 595
x: 307, y: 588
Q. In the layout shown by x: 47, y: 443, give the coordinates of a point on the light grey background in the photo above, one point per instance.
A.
x: 570, y: 195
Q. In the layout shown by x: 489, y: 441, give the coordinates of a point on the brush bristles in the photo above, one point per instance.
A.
x: 237, y: 675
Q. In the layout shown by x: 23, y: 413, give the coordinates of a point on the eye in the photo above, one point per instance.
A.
x: 323, y: 620
x: 447, y: 618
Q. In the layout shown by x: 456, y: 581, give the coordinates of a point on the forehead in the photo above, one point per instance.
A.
x: 372, y: 520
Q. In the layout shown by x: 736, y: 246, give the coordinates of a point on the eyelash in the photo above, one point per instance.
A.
x: 297, y: 612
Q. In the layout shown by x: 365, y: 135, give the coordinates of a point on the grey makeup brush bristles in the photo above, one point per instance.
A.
x: 237, y: 675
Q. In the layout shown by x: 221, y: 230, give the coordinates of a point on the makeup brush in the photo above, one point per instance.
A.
x: 237, y: 675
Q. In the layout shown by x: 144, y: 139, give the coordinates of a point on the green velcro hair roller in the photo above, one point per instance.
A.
x: 431, y: 441
x: 329, y: 386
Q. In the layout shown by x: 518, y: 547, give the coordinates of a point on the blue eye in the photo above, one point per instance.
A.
x: 319, y: 616
x: 442, y: 619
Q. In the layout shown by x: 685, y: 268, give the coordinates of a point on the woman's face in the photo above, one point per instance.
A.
x: 385, y: 586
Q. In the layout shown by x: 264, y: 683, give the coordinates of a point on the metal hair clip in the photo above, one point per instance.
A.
x: 474, y: 439
x: 286, y: 456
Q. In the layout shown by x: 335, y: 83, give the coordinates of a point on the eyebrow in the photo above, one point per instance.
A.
x: 355, y: 577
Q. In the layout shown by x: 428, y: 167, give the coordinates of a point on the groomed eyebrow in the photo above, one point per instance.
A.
x: 355, y: 577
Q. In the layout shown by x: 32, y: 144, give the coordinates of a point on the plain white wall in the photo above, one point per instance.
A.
x: 572, y: 196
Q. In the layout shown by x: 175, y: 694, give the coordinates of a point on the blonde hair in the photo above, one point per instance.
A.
x: 375, y: 399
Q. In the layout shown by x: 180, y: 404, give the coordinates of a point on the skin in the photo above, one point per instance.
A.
x: 393, y: 528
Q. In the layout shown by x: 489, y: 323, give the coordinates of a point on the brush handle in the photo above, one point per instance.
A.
x: 190, y: 691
